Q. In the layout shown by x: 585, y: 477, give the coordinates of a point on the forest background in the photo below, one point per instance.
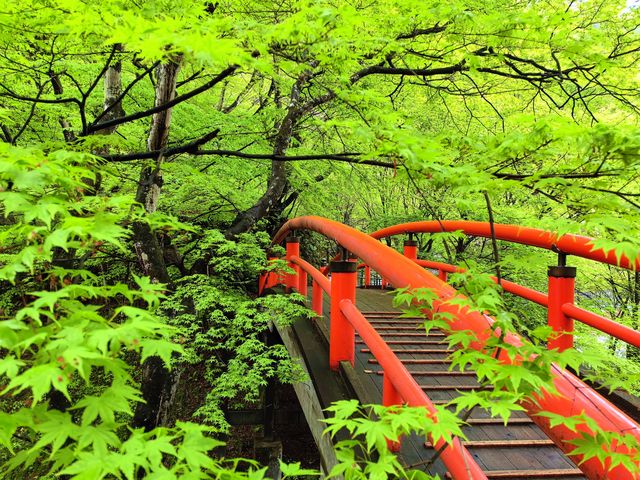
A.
x: 150, y: 149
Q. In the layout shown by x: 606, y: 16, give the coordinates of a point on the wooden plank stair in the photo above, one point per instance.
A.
x: 533, y: 474
x: 407, y: 339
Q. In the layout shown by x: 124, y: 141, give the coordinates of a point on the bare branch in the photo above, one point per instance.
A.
x: 124, y: 93
x: 192, y: 148
x: 160, y: 108
x: 423, y: 31
x: 10, y: 93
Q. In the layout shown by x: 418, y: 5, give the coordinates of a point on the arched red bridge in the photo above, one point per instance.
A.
x: 365, y: 332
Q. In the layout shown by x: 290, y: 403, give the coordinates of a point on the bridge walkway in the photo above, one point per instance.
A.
x: 519, y: 450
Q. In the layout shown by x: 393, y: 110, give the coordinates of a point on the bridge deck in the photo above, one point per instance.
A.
x: 519, y: 450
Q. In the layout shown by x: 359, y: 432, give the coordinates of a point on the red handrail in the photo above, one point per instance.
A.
x: 316, y: 274
x: 603, y: 324
x: 403, y: 272
x: 570, y: 244
x: 410, y: 392
x: 511, y: 287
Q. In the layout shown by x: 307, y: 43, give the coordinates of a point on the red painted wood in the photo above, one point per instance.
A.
x: 403, y: 272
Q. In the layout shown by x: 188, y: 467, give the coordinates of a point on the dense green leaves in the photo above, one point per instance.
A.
x: 74, y: 333
x: 533, y: 105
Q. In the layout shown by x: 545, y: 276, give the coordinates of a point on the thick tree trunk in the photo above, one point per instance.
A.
x: 167, y: 77
x: 278, y: 181
x: 112, y: 106
x: 156, y: 382
x: 112, y: 92
x: 146, y: 244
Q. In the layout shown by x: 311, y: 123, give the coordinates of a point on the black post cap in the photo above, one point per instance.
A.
x: 561, y: 271
x: 343, y: 266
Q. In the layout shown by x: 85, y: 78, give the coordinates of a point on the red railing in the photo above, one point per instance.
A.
x: 399, y: 386
x: 402, y: 271
x: 605, y: 325
x: 568, y: 244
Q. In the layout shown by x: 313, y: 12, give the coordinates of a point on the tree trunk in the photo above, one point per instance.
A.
x: 112, y: 92
x: 167, y: 74
x: 278, y: 180
x: 146, y: 244
x: 113, y: 106
x: 156, y: 382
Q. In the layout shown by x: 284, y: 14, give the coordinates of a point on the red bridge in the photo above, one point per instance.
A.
x: 385, y: 358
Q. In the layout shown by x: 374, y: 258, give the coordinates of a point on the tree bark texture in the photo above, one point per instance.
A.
x: 146, y: 243
x: 112, y: 91
x: 278, y: 180
x: 157, y: 382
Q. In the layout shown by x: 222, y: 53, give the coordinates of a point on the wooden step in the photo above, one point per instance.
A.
x: 520, y: 474
x: 417, y: 361
x: 508, y: 443
x: 375, y: 313
x: 434, y: 388
x: 412, y: 351
x: 397, y: 321
x: 438, y: 373
x: 408, y: 335
x: 499, y: 421
x: 409, y: 342
x: 400, y: 328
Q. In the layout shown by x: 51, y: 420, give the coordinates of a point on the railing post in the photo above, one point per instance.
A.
x: 442, y: 275
x: 341, y: 332
x: 561, y: 290
x: 410, y: 248
x: 293, y: 249
x: 367, y: 276
x: 316, y: 298
x: 390, y: 396
x: 302, y: 282
x: 383, y: 281
x: 267, y: 279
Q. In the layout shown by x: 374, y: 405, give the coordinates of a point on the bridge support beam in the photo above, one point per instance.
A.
x: 561, y: 291
x: 342, y: 335
x: 293, y: 250
x: 367, y: 276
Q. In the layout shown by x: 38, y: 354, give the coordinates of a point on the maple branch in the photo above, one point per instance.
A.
x: 165, y: 106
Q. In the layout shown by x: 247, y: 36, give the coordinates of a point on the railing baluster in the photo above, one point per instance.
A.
x: 341, y: 333
x: 561, y: 291
x: 302, y: 282
x: 410, y: 248
x: 390, y: 397
x: 316, y: 298
x: 293, y: 250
